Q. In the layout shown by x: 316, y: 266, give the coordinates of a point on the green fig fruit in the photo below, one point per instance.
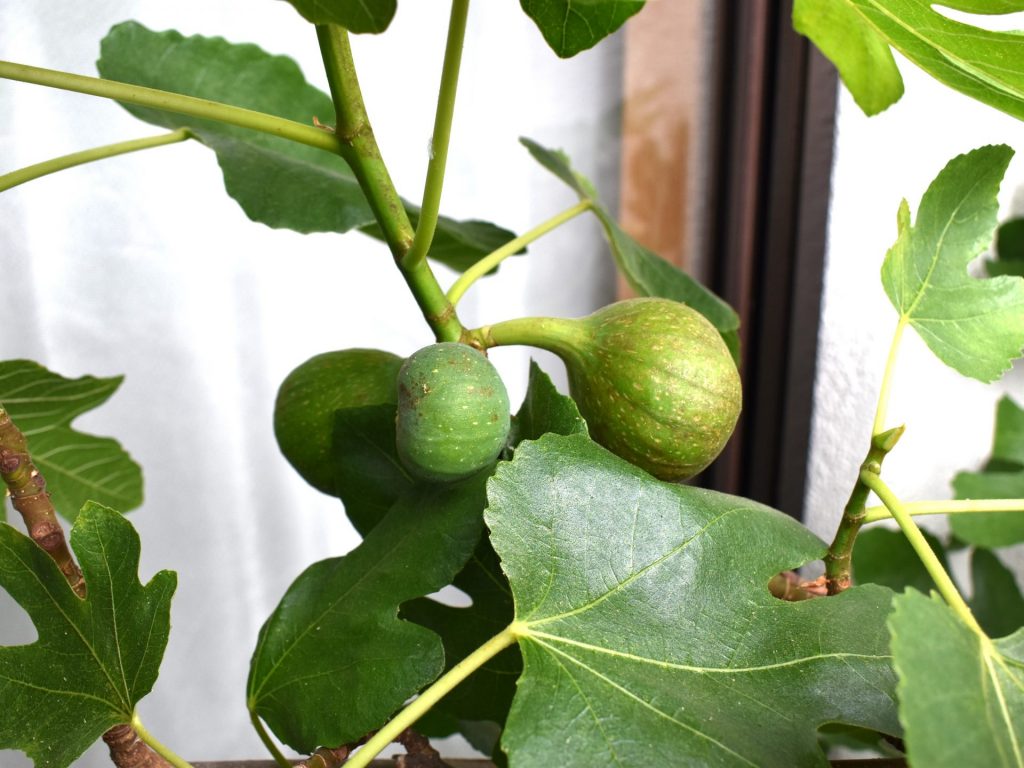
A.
x: 310, y: 395
x: 654, y: 381
x: 453, y: 413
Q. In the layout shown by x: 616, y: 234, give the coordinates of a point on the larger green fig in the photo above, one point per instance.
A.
x: 310, y: 395
x: 655, y: 382
x: 453, y: 413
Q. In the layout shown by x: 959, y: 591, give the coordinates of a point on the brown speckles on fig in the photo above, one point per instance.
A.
x: 657, y: 385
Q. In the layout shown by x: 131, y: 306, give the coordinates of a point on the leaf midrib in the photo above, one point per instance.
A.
x: 974, y: 71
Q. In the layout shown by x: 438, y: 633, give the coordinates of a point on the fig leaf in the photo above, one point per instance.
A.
x: 974, y: 326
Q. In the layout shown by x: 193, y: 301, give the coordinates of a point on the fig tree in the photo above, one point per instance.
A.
x: 310, y: 395
x: 453, y: 412
x: 653, y: 379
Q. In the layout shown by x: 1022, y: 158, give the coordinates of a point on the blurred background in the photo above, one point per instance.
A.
x: 721, y: 136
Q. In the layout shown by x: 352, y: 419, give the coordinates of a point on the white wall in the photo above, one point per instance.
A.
x: 949, y: 418
x: 141, y: 265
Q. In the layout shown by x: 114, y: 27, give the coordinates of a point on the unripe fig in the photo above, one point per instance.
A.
x: 453, y: 413
x: 310, y: 395
x: 654, y: 380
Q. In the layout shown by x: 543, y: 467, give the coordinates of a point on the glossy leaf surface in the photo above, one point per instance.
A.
x: 95, y: 658
x: 334, y: 661
x: 277, y: 182
x: 372, y: 16
x: 571, y: 26
x: 961, y: 694
x: 974, y: 326
x: 78, y: 467
x: 857, y: 34
x: 647, y: 631
x: 647, y: 273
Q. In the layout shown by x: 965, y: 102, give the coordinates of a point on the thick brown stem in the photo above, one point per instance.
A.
x: 128, y: 751
x: 28, y: 495
x: 419, y: 753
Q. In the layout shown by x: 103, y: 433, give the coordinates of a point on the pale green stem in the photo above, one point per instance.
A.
x: 442, y: 134
x: 890, y: 366
x: 172, y: 102
x: 20, y: 176
x: 493, y: 259
x: 360, y: 150
x: 422, y: 704
x: 953, y: 507
x: 156, y: 746
x: 268, y: 742
x: 924, y: 551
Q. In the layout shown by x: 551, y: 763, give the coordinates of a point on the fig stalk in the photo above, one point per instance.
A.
x: 652, y: 377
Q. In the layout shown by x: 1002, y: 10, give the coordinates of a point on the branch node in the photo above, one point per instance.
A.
x: 127, y: 750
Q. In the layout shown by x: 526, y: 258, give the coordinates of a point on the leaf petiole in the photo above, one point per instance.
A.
x: 156, y: 746
x: 953, y: 507
x: 31, y: 172
x: 442, y: 134
x: 172, y: 102
x: 272, y: 748
x: 890, y: 367
x: 443, y: 685
x: 493, y: 259
x: 924, y: 551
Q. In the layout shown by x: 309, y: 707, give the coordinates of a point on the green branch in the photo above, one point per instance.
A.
x: 493, y: 259
x: 172, y: 102
x: 20, y: 176
x: 917, y: 540
x: 431, y: 206
x: 156, y: 746
x: 954, y: 507
x: 422, y: 704
x: 839, y: 559
x: 359, y: 148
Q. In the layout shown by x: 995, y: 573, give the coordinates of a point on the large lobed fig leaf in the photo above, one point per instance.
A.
x: 78, y: 467
x: 647, y: 631
x: 277, y: 182
x: 334, y: 661
x: 961, y: 693
x: 857, y: 34
x: 973, y: 326
x: 95, y: 657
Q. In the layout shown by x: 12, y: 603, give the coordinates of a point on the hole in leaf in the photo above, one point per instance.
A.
x: 16, y: 627
x: 452, y: 596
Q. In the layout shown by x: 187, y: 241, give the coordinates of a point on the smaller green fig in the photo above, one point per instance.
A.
x: 654, y: 381
x: 453, y: 413
x: 312, y: 393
